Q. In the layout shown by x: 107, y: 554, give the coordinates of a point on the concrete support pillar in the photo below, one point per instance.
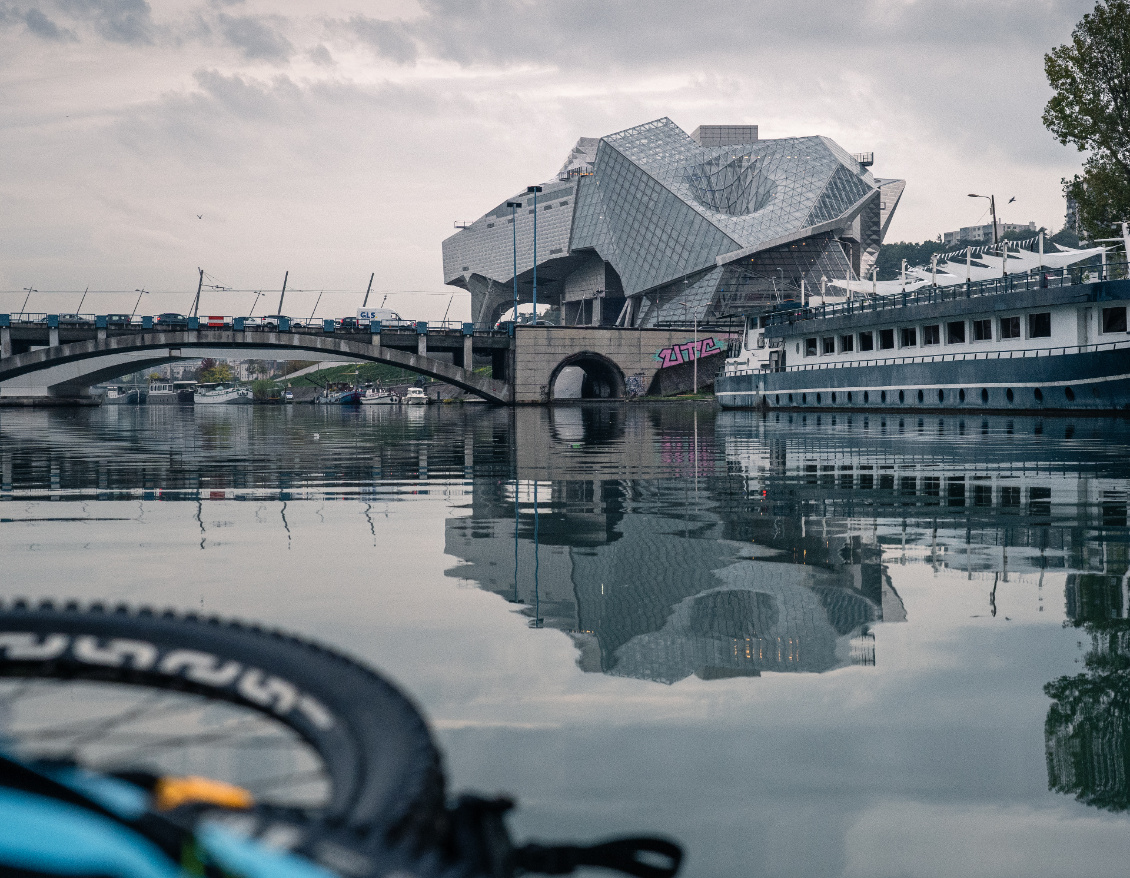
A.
x: 596, y: 316
x: 100, y: 333
x: 5, y: 341
x: 53, y: 336
x: 422, y: 344
x: 468, y: 355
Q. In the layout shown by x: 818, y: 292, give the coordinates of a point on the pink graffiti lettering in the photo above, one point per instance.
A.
x: 687, y: 351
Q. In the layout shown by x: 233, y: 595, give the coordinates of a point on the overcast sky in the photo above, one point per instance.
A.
x: 250, y: 138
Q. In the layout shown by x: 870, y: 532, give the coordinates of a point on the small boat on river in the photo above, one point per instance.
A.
x: 351, y: 396
x: 171, y: 393
x: 415, y: 396
x: 123, y: 396
x: 380, y: 397
x: 225, y: 396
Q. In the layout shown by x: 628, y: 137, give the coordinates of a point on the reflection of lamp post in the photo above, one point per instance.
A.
x: 535, y: 190
x: 684, y: 304
x: 140, y: 293
x: 514, y: 205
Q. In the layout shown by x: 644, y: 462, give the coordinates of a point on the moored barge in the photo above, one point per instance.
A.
x: 1049, y: 341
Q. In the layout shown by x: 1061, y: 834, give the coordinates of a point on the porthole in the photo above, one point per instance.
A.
x: 941, y: 395
x: 866, y: 397
x: 849, y: 396
x: 984, y: 395
x: 804, y: 399
x: 790, y: 399
x: 818, y: 399
x: 1008, y: 394
x: 777, y: 399
x: 1069, y: 393
x: 1039, y: 394
x: 921, y: 396
x: 882, y: 396
x: 833, y: 397
x: 902, y: 397
x: 961, y: 395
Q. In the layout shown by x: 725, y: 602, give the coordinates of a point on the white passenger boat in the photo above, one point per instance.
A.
x: 1048, y: 340
x: 380, y: 397
x: 225, y: 396
x: 415, y: 396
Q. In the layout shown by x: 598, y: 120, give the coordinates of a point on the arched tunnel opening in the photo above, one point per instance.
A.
x: 587, y: 376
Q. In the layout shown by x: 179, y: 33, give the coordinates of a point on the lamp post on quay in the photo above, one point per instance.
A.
x: 514, y: 205
x: 535, y: 190
x: 996, y: 237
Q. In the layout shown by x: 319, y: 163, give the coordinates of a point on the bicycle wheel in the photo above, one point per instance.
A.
x: 296, y: 724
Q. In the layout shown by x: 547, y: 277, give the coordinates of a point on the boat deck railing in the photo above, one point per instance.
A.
x: 1018, y: 354
x: 1047, y: 278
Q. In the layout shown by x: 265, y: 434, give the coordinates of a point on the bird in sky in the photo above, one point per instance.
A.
x: 200, y: 216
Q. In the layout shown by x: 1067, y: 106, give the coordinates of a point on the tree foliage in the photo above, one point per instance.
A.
x: 1090, y: 76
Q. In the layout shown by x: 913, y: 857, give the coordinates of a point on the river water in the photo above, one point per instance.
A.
x: 802, y: 645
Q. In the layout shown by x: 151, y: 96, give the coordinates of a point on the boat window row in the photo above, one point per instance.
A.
x: 1034, y: 325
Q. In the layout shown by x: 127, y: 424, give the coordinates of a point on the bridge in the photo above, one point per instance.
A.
x: 45, y: 360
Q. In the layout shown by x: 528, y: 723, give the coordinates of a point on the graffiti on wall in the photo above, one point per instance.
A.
x: 687, y: 351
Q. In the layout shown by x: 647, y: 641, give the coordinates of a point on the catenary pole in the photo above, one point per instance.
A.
x: 282, y: 295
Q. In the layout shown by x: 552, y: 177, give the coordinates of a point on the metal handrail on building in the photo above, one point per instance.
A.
x: 1048, y: 278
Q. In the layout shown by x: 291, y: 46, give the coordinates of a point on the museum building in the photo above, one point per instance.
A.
x: 652, y: 225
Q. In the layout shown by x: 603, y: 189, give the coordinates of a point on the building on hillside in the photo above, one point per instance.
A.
x: 652, y: 224
x: 985, y: 233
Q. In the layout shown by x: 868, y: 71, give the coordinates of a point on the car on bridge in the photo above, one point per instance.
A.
x: 119, y: 319
x: 171, y: 321
x: 75, y: 320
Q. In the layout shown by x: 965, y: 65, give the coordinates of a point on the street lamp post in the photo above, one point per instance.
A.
x: 29, y: 291
x: 535, y: 190
x: 140, y: 293
x: 514, y: 205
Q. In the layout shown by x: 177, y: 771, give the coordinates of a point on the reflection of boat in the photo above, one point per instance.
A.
x: 123, y: 396
x: 380, y: 397
x: 224, y: 396
x: 415, y: 396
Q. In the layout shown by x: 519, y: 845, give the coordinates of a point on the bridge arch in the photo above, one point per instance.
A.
x: 601, y: 377
x: 69, y: 369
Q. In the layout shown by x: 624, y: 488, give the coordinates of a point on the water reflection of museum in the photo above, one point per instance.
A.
x: 651, y: 585
x: 775, y: 561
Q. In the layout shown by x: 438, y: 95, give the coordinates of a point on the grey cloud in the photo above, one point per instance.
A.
x: 42, y: 26
x: 257, y: 38
x: 321, y: 55
x: 393, y: 40
x: 667, y: 32
x: 119, y: 21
